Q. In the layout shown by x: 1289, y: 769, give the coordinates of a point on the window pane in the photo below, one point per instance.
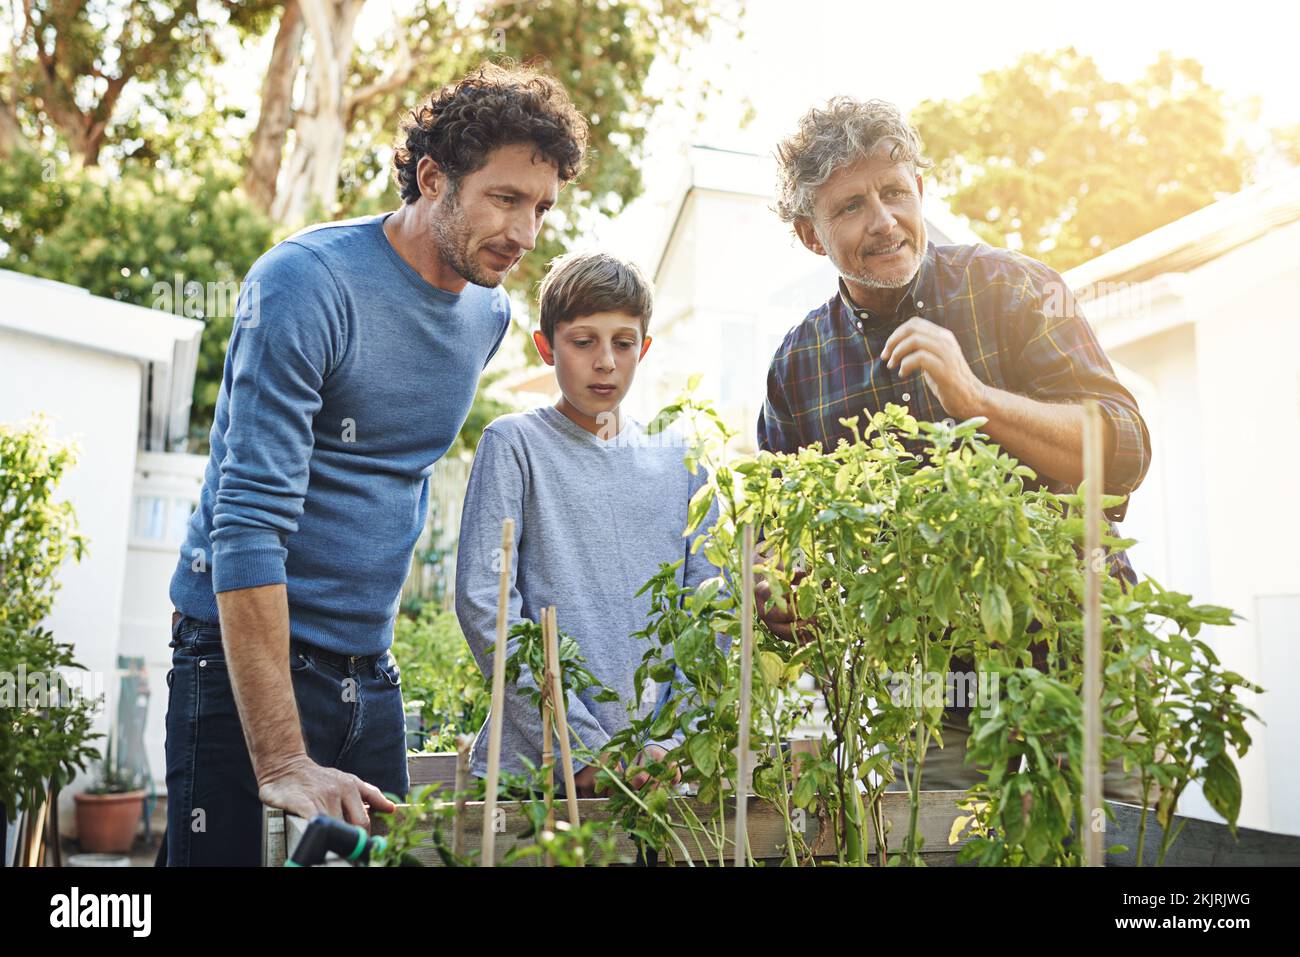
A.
x: 182, y: 509
x: 150, y: 518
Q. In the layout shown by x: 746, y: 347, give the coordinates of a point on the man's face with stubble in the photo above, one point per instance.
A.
x: 867, y: 220
x: 489, y: 218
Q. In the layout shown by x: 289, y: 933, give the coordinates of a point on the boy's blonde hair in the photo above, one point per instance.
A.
x: 584, y: 283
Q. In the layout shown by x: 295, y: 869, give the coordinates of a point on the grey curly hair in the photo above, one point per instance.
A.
x: 842, y: 133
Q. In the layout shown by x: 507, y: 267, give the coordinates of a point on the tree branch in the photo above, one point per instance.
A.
x: 396, y: 77
x: 12, y: 138
x: 328, y: 81
x: 276, y: 114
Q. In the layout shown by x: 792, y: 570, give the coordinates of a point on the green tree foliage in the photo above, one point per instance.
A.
x: 45, y: 732
x: 1051, y: 158
x: 134, y: 86
x: 602, y: 52
x: 1286, y: 141
x: 130, y: 237
x: 114, y: 73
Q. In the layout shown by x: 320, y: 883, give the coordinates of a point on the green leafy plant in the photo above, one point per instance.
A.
x: 111, y: 777
x: 914, y: 547
x: 592, y: 843
x: 440, y: 676
x: 45, y: 735
x: 528, y: 650
x: 428, y: 816
x: 424, y: 820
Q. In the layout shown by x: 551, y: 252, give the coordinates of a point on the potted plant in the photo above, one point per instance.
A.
x: 109, y: 811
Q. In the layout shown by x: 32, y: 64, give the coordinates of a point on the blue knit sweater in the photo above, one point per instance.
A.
x: 347, y: 376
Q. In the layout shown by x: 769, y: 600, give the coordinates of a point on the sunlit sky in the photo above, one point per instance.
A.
x: 796, y: 54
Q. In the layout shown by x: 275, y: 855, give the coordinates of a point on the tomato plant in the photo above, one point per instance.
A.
x: 915, y: 546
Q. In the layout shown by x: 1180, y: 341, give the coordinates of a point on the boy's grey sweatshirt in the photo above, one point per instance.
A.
x: 594, y: 520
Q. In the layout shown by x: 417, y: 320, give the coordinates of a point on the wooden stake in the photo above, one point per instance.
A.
x: 746, y: 683
x: 498, y: 697
x: 463, y: 743
x: 548, y: 731
x: 1094, y: 828
x: 562, y: 721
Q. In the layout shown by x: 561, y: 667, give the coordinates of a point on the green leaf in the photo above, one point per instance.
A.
x: 805, y: 791
x: 770, y: 668
x: 843, y: 478
x: 666, y: 417
x: 1222, y: 787
x: 698, y: 509
x: 995, y: 613
x: 703, y: 749
x: 806, y: 599
x: 663, y: 724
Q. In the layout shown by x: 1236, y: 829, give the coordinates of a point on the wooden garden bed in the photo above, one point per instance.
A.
x: 1200, y: 843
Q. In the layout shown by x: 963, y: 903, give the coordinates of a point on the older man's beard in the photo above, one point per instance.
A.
x: 875, y: 282
x: 451, y: 236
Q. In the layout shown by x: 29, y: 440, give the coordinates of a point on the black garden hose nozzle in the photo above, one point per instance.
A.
x: 325, y: 834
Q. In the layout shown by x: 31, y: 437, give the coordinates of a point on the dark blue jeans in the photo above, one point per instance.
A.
x: 352, y: 719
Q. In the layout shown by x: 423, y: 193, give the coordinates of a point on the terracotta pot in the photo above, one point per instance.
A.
x: 106, y: 823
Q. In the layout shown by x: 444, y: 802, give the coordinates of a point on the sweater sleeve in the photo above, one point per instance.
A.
x: 288, y: 333
x: 1060, y: 360
x: 496, y: 491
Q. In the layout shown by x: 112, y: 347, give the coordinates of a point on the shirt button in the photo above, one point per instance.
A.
x: 920, y: 304
x: 907, y: 397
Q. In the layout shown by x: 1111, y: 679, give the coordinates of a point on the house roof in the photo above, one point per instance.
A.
x: 167, y: 346
x: 1198, y: 237
x: 713, y: 169
x: 64, y: 313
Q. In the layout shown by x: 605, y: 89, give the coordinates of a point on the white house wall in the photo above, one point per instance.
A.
x: 166, y: 491
x: 1217, y: 514
x: 734, y: 281
x: 1167, y: 514
x: 92, y: 398
x: 1248, y: 344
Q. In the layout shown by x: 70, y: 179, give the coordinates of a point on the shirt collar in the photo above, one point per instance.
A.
x: 908, y: 306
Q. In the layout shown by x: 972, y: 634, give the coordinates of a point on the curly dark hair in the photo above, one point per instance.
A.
x: 492, y: 106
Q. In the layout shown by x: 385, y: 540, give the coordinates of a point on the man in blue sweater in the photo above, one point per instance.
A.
x: 353, y: 363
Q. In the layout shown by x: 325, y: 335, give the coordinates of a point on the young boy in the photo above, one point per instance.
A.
x: 598, y: 506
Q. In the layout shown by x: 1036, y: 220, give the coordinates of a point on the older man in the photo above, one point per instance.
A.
x: 948, y: 331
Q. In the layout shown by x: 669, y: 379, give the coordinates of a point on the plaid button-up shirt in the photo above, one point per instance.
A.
x: 1018, y: 326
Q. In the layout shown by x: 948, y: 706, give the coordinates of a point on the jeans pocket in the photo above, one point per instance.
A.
x: 389, y: 670
x: 299, y: 661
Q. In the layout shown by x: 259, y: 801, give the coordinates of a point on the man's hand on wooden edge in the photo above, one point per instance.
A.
x: 305, y: 788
